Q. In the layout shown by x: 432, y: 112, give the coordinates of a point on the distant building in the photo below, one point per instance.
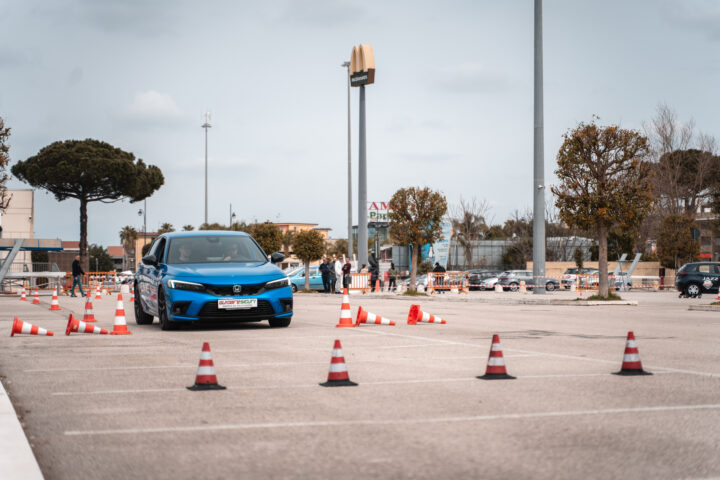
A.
x: 143, y: 238
x: 18, y: 219
x: 117, y: 254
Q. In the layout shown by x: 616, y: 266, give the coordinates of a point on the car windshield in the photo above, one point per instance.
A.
x: 214, y: 249
x: 571, y: 271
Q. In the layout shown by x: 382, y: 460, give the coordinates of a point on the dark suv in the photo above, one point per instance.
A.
x: 694, y: 279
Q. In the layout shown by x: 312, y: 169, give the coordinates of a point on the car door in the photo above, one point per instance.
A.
x: 153, y: 276
x: 316, y: 282
x: 708, y: 275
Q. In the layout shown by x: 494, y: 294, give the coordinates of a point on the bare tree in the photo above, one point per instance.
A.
x: 468, y: 223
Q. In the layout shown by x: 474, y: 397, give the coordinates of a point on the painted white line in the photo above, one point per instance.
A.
x: 416, y: 421
x: 187, y: 365
x: 313, y: 385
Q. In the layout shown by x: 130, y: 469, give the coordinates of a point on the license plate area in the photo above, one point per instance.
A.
x: 236, y: 303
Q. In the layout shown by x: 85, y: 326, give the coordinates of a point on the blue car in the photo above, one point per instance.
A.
x: 297, y: 279
x: 211, y: 276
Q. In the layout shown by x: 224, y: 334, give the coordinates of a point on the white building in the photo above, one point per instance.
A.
x: 18, y: 219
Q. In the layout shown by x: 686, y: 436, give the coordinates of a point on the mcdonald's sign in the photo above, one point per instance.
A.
x: 362, y: 66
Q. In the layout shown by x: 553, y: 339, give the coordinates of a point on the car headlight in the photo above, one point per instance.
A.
x: 279, y: 283
x: 182, y: 285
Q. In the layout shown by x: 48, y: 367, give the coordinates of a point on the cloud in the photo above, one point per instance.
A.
x: 323, y: 13
x: 139, y: 17
x: 700, y: 16
x: 153, y: 106
x: 472, y: 78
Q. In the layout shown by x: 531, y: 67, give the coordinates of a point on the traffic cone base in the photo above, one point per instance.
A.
x: 496, y: 376
x: 19, y: 327
x: 415, y: 316
x: 75, y: 325
x: 338, y: 374
x: 345, y: 313
x: 631, y: 364
x: 206, y: 378
x: 36, y: 298
x: 363, y: 316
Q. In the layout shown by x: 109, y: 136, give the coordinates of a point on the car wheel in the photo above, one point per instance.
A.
x: 550, y: 287
x: 280, y: 322
x: 165, y: 323
x: 514, y: 287
x: 294, y: 288
x: 692, y: 290
x: 141, y: 318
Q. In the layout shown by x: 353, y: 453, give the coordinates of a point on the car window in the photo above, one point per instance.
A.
x: 214, y: 249
x: 160, y: 251
x: 715, y: 269
x: 704, y: 268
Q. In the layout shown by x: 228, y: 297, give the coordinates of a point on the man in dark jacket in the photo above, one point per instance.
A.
x: 439, y: 279
x: 325, y: 272
x: 77, y: 271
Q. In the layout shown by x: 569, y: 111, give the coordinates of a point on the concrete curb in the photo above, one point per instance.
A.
x: 17, y: 461
x: 511, y: 301
x: 705, y: 308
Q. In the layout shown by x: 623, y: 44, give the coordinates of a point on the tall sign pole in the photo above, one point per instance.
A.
x: 349, y: 219
x: 362, y: 72
x: 206, y: 125
x: 539, y: 161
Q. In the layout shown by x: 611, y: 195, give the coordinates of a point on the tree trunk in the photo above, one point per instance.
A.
x: 307, y: 274
x: 84, y: 261
x: 602, y: 261
x: 413, y: 268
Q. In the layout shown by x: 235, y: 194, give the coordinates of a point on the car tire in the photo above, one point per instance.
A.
x: 693, y: 290
x: 550, y: 287
x: 514, y: 287
x: 141, y: 318
x: 279, y: 322
x: 165, y: 322
x: 294, y: 288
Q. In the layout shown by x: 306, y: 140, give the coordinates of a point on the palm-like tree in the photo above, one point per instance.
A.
x: 128, y: 235
x: 165, y: 228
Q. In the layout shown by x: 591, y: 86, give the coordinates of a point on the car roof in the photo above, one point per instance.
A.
x: 206, y: 233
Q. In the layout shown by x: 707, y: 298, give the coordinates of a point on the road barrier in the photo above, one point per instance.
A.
x: 359, y: 282
x: 447, y: 281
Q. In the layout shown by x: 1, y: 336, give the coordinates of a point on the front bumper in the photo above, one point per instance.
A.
x: 187, y: 306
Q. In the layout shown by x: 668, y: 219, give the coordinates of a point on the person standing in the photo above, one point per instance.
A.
x: 439, y: 279
x: 346, y: 273
x: 331, y: 274
x: 339, y: 276
x: 392, y: 277
x: 77, y: 271
x: 324, y: 274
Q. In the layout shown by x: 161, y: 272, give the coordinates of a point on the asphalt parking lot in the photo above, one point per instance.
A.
x: 101, y: 406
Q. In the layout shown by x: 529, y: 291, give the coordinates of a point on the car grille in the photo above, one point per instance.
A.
x: 210, y: 311
x: 227, y: 290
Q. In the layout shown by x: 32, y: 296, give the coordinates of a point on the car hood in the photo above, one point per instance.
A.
x: 224, y: 273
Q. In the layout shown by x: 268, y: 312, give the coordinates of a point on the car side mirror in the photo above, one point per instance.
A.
x: 277, y: 257
x: 150, y: 260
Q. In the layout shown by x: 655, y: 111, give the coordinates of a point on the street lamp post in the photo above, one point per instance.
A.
x: 349, y: 135
x: 539, y: 161
x: 206, y: 125
x: 232, y: 216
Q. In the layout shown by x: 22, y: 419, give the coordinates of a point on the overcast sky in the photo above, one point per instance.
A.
x: 452, y: 106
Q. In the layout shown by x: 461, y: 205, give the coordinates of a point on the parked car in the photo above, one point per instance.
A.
x: 694, y: 279
x: 621, y: 281
x: 570, y: 276
x: 511, y: 279
x: 297, y: 279
x: 478, y: 276
x: 419, y: 280
x: 211, y: 276
x: 489, y: 282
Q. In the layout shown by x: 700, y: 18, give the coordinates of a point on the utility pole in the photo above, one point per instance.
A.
x: 206, y: 125
x: 538, y: 162
x: 362, y: 186
x: 349, y: 219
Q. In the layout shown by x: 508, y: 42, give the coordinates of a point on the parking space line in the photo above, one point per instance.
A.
x: 313, y: 385
x: 411, y: 421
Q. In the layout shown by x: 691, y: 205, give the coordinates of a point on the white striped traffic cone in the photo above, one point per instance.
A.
x: 496, y: 363
x: 345, y: 313
x: 206, y: 378
x: 338, y: 374
x: 89, y: 316
x: 132, y: 294
x: 36, y: 298
x: 415, y: 316
x: 364, y: 316
x: 75, y: 325
x: 54, y: 305
x: 23, y: 295
x: 19, y: 326
x: 97, y: 293
x: 120, y: 325
x: 631, y: 364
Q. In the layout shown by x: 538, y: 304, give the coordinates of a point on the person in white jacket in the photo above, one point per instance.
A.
x: 338, y: 274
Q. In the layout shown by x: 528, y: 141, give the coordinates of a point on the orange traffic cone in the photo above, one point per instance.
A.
x: 23, y: 295
x: 54, y: 305
x: 132, y: 294
x: 415, y: 316
x: 718, y: 295
x: 97, y: 293
x: 206, y: 378
x: 19, y: 326
x: 120, y: 326
x: 496, y: 363
x: 89, y: 315
x: 338, y: 374
x: 36, y: 298
x: 377, y: 286
x: 75, y: 325
x: 631, y: 364
x: 345, y: 313
x: 364, y: 316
